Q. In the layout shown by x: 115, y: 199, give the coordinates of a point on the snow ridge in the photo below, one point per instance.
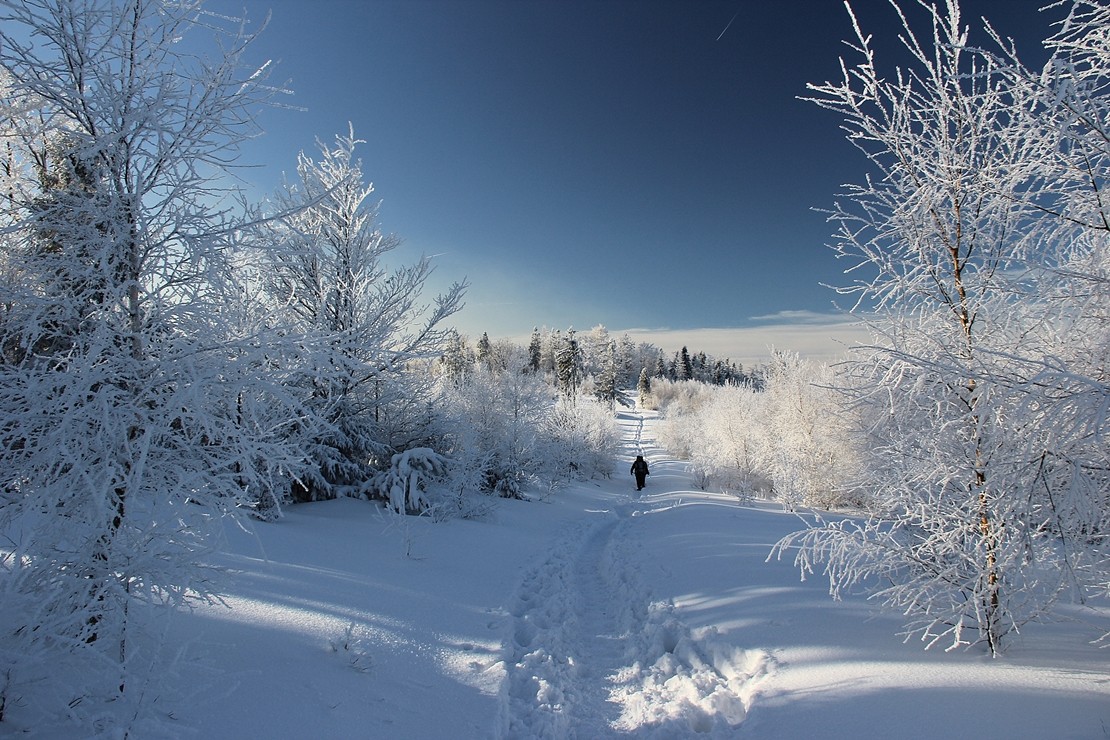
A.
x: 589, y: 654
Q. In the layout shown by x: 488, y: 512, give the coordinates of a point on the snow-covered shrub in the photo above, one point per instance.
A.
x: 720, y: 430
x: 809, y: 450
x: 678, y: 396
x: 680, y: 405
x: 581, y: 439
x: 792, y: 440
x: 412, y: 483
x: 735, y: 441
x: 492, y: 425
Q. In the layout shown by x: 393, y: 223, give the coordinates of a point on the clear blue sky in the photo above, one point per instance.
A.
x: 616, y: 162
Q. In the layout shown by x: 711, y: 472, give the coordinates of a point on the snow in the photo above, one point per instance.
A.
x: 597, y: 612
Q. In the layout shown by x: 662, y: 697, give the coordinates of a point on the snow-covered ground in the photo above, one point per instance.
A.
x: 599, y: 612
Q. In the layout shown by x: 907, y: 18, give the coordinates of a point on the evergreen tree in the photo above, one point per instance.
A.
x: 643, y: 387
x: 629, y: 368
x: 568, y: 365
x: 719, y: 374
x: 534, y: 352
x: 595, y: 348
x: 457, y: 361
x: 552, y: 339
x: 367, y: 320
x: 606, y: 389
x: 700, y: 367
x: 483, y: 352
x: 683, y: 367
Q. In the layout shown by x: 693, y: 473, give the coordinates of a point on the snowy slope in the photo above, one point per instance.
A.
x: 600, y: 612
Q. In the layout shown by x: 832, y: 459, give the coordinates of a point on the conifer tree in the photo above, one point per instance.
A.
x: 456, y: 361
x: 568, y: 365
x: 606, y: 389
x: 535, y: 350
x: 643, y: 387
x: 329, y: 270
x: 683, y: 367
x: 483, y: 352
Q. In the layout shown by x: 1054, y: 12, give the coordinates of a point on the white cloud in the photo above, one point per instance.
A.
x: 802, y: 317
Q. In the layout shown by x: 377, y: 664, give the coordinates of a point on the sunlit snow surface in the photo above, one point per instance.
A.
x: 598, y: 612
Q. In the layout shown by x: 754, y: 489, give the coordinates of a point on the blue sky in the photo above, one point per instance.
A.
x: 630, y: 163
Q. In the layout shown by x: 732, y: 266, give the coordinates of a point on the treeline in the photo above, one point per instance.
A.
x: 594, y: 363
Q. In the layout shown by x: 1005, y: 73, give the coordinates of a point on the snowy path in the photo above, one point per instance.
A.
x: 591, y: 655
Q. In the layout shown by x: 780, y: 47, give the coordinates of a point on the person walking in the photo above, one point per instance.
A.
x: 640, y: 470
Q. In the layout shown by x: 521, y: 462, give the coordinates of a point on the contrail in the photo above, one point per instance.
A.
x: 729, y: 24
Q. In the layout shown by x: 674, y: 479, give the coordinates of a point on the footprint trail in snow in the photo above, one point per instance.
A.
x: 591, y: 655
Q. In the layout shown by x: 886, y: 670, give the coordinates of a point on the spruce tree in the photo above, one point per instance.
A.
x: 534, y: 352
x: 456, y: 360
x: 606, y: 389
x: 568, y: 365
x: 484, y: 351
x: 643, y: 386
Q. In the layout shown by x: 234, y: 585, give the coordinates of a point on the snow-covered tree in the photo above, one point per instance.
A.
x: 660, y: 368
x: 457, y: 361
x: 683, y: 368
x: 551, y: 340
x: 134, y: 412
x: 980, y: 241
x: 535, y: 352
x: 808, y: 451
x: 326, y: 267
x: 568, y: 364
x: 605, y: 386
x: 643, y: 388
x: 492, y: 426
x: 483, y: 351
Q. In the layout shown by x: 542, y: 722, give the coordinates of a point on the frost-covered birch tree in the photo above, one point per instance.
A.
x: 132, y: 413
x: 327, y: 269
x: 791, y: 440
x: 979, y: 243
x: 808, y: 451
x: 734, y: 447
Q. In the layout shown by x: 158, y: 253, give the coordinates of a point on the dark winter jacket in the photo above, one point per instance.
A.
x: 639, y: 467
